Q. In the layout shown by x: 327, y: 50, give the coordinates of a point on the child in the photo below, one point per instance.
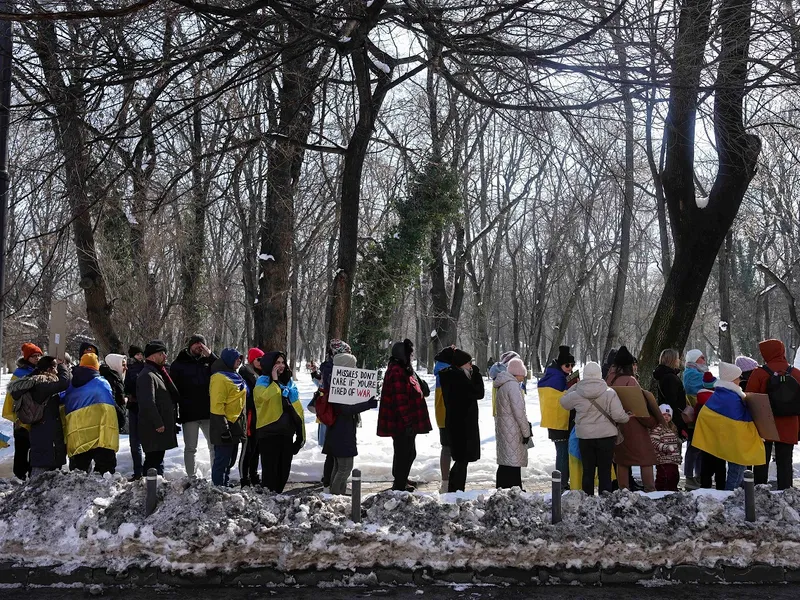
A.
x: 667, y: 445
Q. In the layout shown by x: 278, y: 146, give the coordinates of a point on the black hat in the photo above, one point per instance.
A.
x: 564, y: 356
x: 133, y: 350
x: 624, y: 358
x: 86, y: 346
x: 460, y: 358
x: 196, y: 339
x: 154, y: 347
x: 445, y: 355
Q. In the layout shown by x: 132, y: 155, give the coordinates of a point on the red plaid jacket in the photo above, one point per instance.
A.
x: 403, y: 408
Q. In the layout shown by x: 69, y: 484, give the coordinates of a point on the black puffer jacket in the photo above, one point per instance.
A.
x: 192, y: 376
x: 669, y: 390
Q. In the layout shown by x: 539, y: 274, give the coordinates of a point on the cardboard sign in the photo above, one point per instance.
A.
x: 352, y: 386
x: 633, y: 400
x: 761, y: 410
x: 57, y: 345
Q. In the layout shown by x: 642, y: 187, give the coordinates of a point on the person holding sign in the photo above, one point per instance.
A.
x: 340, y: 441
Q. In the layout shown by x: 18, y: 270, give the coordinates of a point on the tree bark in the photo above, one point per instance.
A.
x: 725, y: 313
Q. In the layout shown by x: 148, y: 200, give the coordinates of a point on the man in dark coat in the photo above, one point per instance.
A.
x: 462, y: 387
x: 135, y: 366
x: 157, y: 397
x: 191, y: 372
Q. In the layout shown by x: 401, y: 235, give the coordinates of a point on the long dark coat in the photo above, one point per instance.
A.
x: 461, y: 395
x: 156, y: 409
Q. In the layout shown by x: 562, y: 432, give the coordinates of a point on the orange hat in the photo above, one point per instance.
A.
x: 91, y: 361
x: 29, y: 350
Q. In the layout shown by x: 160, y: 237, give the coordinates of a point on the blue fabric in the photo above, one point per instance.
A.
x: 287, y: 391
x: 735, y: 476
x: 496, y: 369
x: 574, y: 446
x: 692, y: 381
x: 562, y: 461
x: 729, y: 404
x: 322, y: 431
x: 96, y: 391
x: 554, y: 378
x: 221, y: 469
x: 23, y: 371
x: 229, y: 356
x: 135, y: 442
x: 438, y: 366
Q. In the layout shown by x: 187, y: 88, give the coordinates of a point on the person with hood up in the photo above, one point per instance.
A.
x: 31, y: 353
x: 158, y: 398
x: 511, y: 426
x: 747, y: 365
x: 248, y: 463
x: 280, y: 427
x: 45, y: 384
x: 135, y: 366
x: 693, y: 372
x: 597, y: 413
x: 774, y: 354
x: 340, y: 441
x: 497, y: 368
x: 555, y: 418
x: 462, y: 387
x: 228, y: 393
x: 442, y: 361
x: 335, y: 347
x: 92, y: 425
x: 191, y: 374
x: 113, y: 369
x: 725, y: 431
x: 403, y: 413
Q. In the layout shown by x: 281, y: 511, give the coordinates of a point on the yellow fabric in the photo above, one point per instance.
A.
x: 439, y: 406
x: 226, y: 397
x: 691, y: 400
x: 8, y: 409
x: 269, y: 406
x: 731, y: 440
x: 554, y: 416
x: 94, y: 426
x: 575, y: 472
x: 298, y: 408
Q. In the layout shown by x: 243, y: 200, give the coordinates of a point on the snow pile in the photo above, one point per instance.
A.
x: 76, y: 519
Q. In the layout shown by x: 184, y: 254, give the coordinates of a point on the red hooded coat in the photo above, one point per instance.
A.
x: 774, y: 354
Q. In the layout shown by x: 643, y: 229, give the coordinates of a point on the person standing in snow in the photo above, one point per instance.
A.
x: 598, y: 410
x: 462, y: 387
x: 135, y: 366
x: 340, y: 440
x: 511, y: 425
x: 248, y: 464
x: 157, y: 397
x: 774, y: 354
x: 669, y: 388
x: 335, y: 347
x: 280, y: 426
x: 667, y: 445
x: 191, y: 373
x: 228, y: 393
x: 31, y: 353
x: 92, y: 425
x: 555, y: 418
x: 442, y: 360
x: 403, y: 413
x: 113, y: 370
x: 497, y: 368
x: 46, y: 382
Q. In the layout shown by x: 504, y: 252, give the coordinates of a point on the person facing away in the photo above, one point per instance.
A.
x: 248, y: 465
x: 511, y: 425
x: 555, y: 418
x: 228, y: 393
x: 31, y: 353
x: 442, y: 360
x: 462, y: 387
x: 667, y: 445
x: 191, y: 374
x: 135, y: 366
x: 335, y: 347
x: 747, y: 365
x: 340, y: 440
x: 598, y: 410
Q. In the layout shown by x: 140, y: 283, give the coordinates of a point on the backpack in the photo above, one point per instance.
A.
x: 29, y: 412
x: 324, y: 409
x: 784, y: 393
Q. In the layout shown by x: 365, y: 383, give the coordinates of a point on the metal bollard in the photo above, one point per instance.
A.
x: 556, y: 500
x: 150, y: 498
x: 749, y: 497
x: 356, y: 497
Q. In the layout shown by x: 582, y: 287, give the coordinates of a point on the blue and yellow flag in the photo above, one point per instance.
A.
x: 551, y: 388
x: 725, y: 429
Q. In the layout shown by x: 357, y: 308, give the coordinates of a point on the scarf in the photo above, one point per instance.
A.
x: 162, y: 371
x: 696, y: 367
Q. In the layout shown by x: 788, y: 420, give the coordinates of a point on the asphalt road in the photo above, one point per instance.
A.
x: 668, y: 592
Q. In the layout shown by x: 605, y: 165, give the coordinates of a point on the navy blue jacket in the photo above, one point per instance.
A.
x: 340, y: 440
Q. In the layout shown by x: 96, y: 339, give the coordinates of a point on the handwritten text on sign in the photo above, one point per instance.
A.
x: 352, y: 386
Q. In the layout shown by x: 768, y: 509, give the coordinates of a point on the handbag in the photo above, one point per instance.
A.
x: 620, y: 435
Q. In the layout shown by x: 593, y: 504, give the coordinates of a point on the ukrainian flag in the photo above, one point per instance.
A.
x: 551, y: 388
x: 91, y: 419
x: 725, y: 429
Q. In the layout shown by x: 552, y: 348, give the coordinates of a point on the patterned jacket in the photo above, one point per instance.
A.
x: 667, y: 446
x: 403, y: 408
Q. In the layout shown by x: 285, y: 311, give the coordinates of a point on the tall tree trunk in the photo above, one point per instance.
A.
x: 725, y: 325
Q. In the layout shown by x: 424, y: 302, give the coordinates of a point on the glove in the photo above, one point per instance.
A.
x: 226, y: 437
x: 526, y: 440
x: 298, y: 445
x: 177, y: 428
x: 373, y: 402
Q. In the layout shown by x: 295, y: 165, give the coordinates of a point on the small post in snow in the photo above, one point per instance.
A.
x: 356, y: 497
x: 556, y: 500
x: 150, y: 492
x: 749, y: 497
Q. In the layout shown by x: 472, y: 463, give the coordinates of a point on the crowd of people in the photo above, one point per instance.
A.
x: 249, y: 411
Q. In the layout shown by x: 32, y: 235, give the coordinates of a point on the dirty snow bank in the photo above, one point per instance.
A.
x: 79, y: 520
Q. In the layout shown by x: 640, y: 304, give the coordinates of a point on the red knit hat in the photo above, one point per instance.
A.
x: 253, y: 354
x: 29, y: 350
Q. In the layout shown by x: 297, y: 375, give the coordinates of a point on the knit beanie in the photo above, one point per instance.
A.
x: 445, y: 356
x: 592, y: 370
x: 729, y: 372
x: 196, y: 339
x: 29, y: 350
x: 505, y: 357
x: 90, y: 361
x: 624, y: 358
x: 693, y: 355
x: 154, y: 347
x: 665, y: 408
x: 229, y: 356
x: 745, y: 363
x: 709, y: 380
x: 254, y: 354
x: 496, y: 369
x: 460, y: 358
x: 339, y: 347
x: 517, y: 368
x: 87, y: 347
x: 134, y: 350
x: 345, y: 360
x: 564, y: 356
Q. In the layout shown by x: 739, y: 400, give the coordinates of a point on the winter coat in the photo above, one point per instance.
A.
x: 461, y: 394
x: 157, y: 397
x: 636, y: 449
x: 774, y: 354
x: 667, y: 445
x: 278, y: 408
x: 403, y: 410
x: 192, y: 377
x: 590, y: 423
x: 134, y: 368
x: 692, y: 380
x: 669, y: 390
x: 511, y: 426
x: 340, y: 438
x: 115, y: 381
x: 24, y: 368
x: 228, y: 393
x: 554, y: 416
x: 90, y: 412
x: 250, y: 376
x: 48, y: 449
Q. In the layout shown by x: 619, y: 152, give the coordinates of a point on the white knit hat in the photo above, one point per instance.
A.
x: 665, y: 408
x: 345, y: 360
x: 591, y: 370
x: 693, y: 355
x: 729, y: 372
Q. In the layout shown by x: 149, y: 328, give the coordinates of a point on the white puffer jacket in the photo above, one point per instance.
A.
x: 511, y: 423
x: 590, y: 423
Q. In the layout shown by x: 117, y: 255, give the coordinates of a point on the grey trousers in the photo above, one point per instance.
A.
x: 341, y: 471
x: 191, y: 433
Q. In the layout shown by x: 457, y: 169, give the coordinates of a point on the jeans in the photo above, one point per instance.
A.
x: 22, y: 449
x: 191, y: 433
x: 735, y: 476
x: 405, y: 451
x: 667, y: 478
x: 508, y: 477
x: 562, y: 462
x: 783, y: 460
x: 221, y: 467
x: 458, y: 477
x: 341, y: 471
x: 596, y: 454
x: 154, y: 460
x: 322, y: 431
x: 105, y: 461
x: 712, y: 467
x: 276, y: 461
x: 135, y: 442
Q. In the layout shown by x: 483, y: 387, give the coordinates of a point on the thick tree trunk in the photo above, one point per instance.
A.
x: 725, y: 325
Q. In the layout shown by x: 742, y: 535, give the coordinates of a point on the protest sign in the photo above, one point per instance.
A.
x: 352, y: 386
x: 761, y: 410
x: 58, y: 329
